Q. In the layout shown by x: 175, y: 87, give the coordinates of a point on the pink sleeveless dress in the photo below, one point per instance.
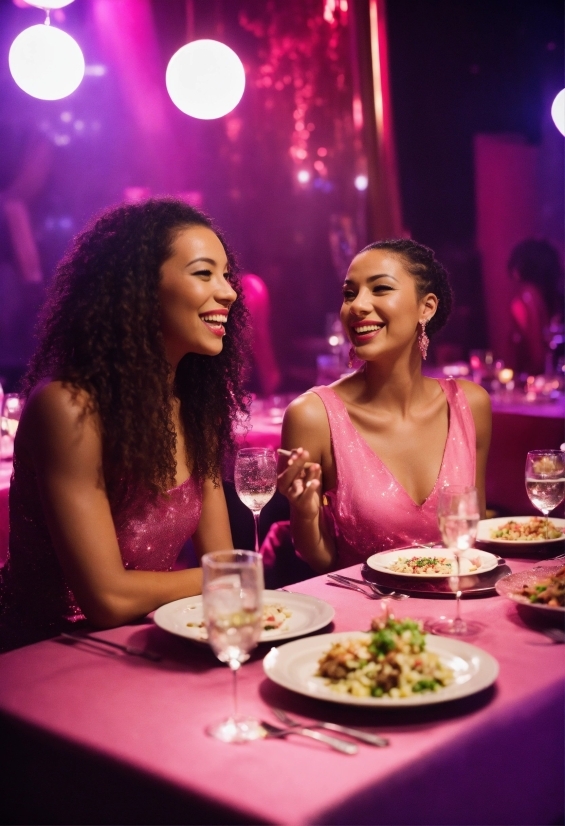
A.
x: 35, y: 600
x: 369, y: 511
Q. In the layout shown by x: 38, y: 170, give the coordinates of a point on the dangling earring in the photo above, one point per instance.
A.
x: 351, y: 357
x: 423, y: 340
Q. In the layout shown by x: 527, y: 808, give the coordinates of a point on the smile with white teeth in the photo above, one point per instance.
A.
x: 214, y: 319
x: 367, y: 328
x: 215, y: 322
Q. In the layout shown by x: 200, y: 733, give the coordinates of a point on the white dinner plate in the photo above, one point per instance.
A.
x: 294, y: 666
x: 308, y: 614
x: 488, y: 525
x: 511, y: 585
x: 382, y: 561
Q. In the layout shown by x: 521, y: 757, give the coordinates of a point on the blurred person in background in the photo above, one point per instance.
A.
x: 384, y: 440
x: 265, y: 374
x: 130, y: 402
x: 536, y: 272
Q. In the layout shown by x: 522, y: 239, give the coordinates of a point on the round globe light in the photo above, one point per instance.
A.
x: 46, y: 62
x: 558, y: 111
x: 205, y: 79
x: 49, y: 4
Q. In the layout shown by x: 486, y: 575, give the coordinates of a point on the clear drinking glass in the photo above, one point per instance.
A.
x: 255, y: 480
x: 545, y: 480
x: 10, y: 416
x: 458, y: 517
x: 232, y: 596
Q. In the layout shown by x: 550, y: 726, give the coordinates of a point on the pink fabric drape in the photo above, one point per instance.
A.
x: 373, y: 117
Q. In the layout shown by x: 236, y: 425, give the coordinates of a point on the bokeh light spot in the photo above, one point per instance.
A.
x: 558, y: 111
x: 46, y: 62
x: 361, y: 182
x: 303, y: 176
x: 205, y: 79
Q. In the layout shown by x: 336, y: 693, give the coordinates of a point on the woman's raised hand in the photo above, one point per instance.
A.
x: 300, y: 482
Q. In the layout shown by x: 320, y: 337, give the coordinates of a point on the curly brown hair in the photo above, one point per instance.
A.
x: 100, y: 331
x: 429, y: 274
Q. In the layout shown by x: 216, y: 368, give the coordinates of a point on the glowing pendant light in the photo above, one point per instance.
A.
x: 205, y: 79
x: 46, y: 62
x: 558, y: 111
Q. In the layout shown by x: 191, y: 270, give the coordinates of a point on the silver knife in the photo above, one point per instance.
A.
x: 128, y: 649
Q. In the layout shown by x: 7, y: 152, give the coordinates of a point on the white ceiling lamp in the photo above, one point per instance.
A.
x: 46, y: 62
x: 558, y: 111
x: 205, y: 79
x: 49, y: 4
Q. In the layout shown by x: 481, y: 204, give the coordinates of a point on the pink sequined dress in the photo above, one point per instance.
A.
x: 35, y: 600
x: 369, y: 511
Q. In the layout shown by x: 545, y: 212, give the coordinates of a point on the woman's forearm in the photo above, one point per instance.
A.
x: 313, y: 541
x: 134, y: 594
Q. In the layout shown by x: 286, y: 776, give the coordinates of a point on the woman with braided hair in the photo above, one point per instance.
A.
x: 383, y: 440
x: 131, y: 398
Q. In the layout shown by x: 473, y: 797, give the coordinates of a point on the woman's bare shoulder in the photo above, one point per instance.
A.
x: 58, y: 401
x: 477, y: 396
x: 307, y: 409
x: 305, y: 423
x: 59, y: 415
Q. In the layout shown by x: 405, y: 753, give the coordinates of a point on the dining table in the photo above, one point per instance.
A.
x: 91, y: 734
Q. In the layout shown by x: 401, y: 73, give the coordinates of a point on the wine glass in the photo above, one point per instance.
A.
x: 10, y: 416
x: 232, y: 596
x: 458, y: 517
x: 255, y: 480
x: 545, y: 480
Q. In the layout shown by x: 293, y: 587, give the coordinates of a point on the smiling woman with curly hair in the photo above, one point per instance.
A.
x: 131, y: 399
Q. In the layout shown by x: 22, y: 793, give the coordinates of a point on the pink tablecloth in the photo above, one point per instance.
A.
x: 496, y: 757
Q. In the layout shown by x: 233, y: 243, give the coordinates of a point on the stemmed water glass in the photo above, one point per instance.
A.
x: 10, y: 411
x: 255, y: 480
x: 232, y: 596
x: 545, y: 480
x: 458, y: 517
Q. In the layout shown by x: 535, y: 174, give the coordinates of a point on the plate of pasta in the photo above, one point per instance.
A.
x: 521, y: 530
x: 541, y: 588
x: 394, y: 665
x: 285, y: 615
x: 431, y: 563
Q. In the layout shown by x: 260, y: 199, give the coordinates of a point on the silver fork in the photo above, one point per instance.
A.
x: 377, y: 591
x: 344, y: 583
x: 387, y: 593
x: 363, y: 736
x: 333, y: 742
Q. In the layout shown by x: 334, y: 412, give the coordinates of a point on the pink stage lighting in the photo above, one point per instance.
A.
x: 205, y: 79
x: 558, y: 111
x: 46, y: 62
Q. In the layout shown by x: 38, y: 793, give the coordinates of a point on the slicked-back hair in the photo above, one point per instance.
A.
x: 100, y: 331
x: 429, y: 274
